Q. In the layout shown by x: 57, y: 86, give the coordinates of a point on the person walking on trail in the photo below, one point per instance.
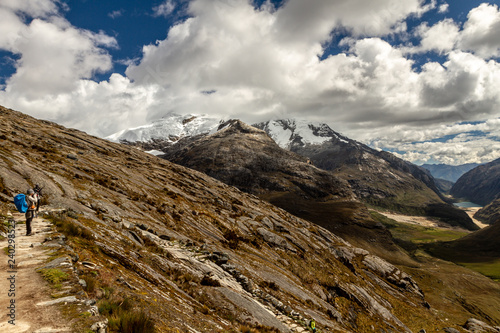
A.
x: 312, y: 325
x: 32, y: 201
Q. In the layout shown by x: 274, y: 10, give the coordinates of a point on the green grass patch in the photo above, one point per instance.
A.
x: 417, y: 234
x: 54, y: 276
x: 490, y: 269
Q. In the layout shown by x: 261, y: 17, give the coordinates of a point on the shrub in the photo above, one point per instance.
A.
x: 232, y: 238
x: 122, y: 318
x: 136, y: 322
x: 90, y: 282
x: 270, y: 284
x: 65, y: 225
x: 108, y: 308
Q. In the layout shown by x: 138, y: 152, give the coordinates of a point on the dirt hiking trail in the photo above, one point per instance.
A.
x: 28, y: 288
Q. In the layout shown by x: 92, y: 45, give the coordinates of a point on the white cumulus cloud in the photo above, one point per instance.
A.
x: 481, y: 31
x: 164, y: 9
x: 441, y: 37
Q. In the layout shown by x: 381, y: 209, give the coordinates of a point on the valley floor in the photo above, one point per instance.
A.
x: 471, y: 211
x: 430, y: 222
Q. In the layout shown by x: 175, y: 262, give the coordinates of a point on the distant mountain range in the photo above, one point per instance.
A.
x: 449, y: 172
x: 249, y: 159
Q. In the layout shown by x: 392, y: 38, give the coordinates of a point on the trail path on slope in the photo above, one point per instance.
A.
x: 30, y: 288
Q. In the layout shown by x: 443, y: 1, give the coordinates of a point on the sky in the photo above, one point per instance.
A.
x: 419, y: 78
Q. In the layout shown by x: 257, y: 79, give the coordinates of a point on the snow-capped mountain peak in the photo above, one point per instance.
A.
x: 170, y: 128
x: 286, y: 132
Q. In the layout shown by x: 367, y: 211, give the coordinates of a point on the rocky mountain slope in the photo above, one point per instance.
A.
x: 489, y: 214
x: 443, y: 185
x: 246, y: 157
x: 480, y: 185
x: 449, y: 172
x: 157, y: 243
x: 377, y: 177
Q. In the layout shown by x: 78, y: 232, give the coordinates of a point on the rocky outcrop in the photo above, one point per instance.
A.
x: 477, y: 326
x: 480, y: 185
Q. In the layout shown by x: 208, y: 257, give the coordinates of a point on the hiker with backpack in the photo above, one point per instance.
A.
x: 32, y: 201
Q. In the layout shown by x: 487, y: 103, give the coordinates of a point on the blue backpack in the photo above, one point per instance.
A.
x: 20, y: 202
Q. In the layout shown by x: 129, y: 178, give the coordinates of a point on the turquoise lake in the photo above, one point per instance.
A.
x: 466, y: 204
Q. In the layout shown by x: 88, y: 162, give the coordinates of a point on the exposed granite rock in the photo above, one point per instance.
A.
x: 477, y: 326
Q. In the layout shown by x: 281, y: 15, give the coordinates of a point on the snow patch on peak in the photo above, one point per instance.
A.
x: 170, y: 128
x: 285, y: 132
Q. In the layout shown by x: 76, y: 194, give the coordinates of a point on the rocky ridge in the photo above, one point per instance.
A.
x: 490, y: 214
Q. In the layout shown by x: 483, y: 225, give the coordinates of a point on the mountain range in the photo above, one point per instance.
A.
x: 375, y: 177
x: 195, y: 254
x: 247, y: 158
x: 449, y: 172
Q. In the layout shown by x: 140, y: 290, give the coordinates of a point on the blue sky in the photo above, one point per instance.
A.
x: 419, y: 78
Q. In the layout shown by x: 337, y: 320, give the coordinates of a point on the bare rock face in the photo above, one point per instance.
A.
x: 194, y: 253
x: 392, y: 274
